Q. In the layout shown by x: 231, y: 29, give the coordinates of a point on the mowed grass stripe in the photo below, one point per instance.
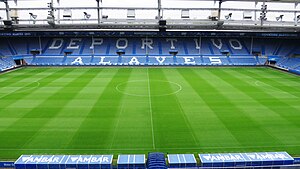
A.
x: 59, y: 132
x: 21, y: 97
x: 278, y: 74
x: 96, y: 130
x: 76, y: 112
x: 24, y: 129
x: 132, y: 128
x: 100, y: 120
x: 170, y: 125
x: 20, y: 89
x: 10, y: 95
x: 204, y: 123
x: 250, y: 106
x: 15, y: 76
x: 71, y: 91
x: 246, y: 131
x: 277, y: 105
x: 287, y: 132
x: 278, y: 84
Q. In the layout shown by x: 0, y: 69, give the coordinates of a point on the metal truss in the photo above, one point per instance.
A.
x: 55, y: 23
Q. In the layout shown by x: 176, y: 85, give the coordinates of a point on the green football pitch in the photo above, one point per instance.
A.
x: 141, y: 110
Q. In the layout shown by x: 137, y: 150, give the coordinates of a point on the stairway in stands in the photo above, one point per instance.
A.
x: 156, y: 161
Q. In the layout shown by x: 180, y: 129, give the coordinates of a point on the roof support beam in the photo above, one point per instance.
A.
x: 7, y: 9
x: 159, y: 9
x: 219, y: 10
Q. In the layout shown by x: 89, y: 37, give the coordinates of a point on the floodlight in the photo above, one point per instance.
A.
x: 50, y: 20
x: 7, y: 22
x: 32, y: 16
x: 130, y: 13
x: 86, y: 15
x: 228, y: 17
x: 185, y: 14
x: 298, y: 18
x: 279, y: 18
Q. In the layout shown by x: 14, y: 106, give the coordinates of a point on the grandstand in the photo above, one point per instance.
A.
x: 151, y: 51
x: 177, y: 84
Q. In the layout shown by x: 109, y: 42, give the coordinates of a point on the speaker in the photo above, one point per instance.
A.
x: 120, y: 52
x: 162, y: 22
x: 35, y: 51
x: 7, y: 22
x: 162, y: 25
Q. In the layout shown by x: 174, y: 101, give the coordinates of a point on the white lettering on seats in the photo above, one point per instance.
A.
x: 215, y: 60
x: 219, y: 46
x: 122, y: 40
x: 147, y: 42
x: 78, y: 60
x: 232, y: 41
x: 96, y: 41
x: 73, y: 43
x: 56, y: 43
x: 134, y: 61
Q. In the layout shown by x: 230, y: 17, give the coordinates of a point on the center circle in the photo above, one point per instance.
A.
x: 144, y: 88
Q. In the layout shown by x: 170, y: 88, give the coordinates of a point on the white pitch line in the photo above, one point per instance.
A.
x: 116, y: 126
x: 151, y: 113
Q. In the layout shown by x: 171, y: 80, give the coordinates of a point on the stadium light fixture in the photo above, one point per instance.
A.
x: 50, y: 20
x: 86, y: 16
x: 279, y: 18
x: 298, y: 18
x: 185, y: 14
x: 228, y: 17
x: 32, y: 16
x: 130, y: 13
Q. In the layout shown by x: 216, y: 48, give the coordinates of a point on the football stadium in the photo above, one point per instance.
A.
x: 149, y: 84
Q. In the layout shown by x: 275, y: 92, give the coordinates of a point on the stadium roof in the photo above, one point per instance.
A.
x: 252, y: 19
x: 283, y: 1
x: 276, y: 1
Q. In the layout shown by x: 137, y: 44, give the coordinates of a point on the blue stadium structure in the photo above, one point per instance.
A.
x: 149, y: 51
x: 137, y: 161
x: 64, y: 162
x: 152, y: 51
x: 6, y: 63
x: 182, y: 161
x: 246, y: 159
x: 155, y: 161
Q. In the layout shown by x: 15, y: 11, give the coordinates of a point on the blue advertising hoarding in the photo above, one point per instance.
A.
x: 64, y: 161
x: 245, y: 159
x: 7, y: 164
x: 182, y: 160
x: 135, y: 161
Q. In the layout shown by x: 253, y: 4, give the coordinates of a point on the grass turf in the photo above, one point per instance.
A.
x: 141, y: 110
